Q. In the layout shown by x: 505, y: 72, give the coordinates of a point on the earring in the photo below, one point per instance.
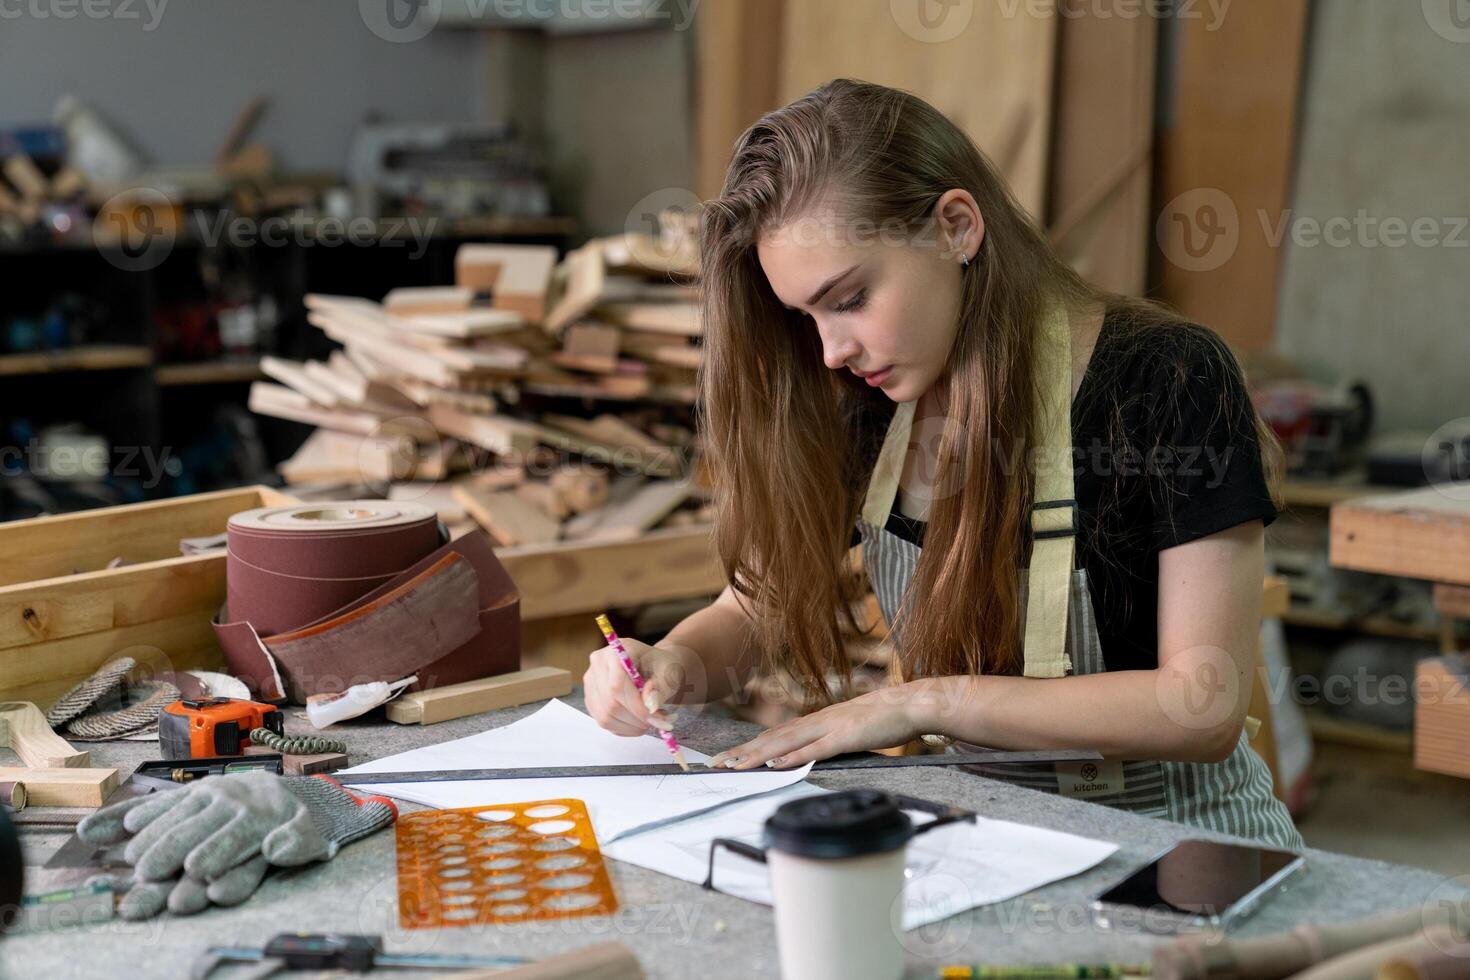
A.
x: 964, y: 261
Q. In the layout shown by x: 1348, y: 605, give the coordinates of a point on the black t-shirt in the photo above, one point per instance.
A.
x: 1166, y: 452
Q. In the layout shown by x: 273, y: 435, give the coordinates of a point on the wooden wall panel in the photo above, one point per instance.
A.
x: 987, y: 66
x: 990, y: 71
x: 1102, y: 153
x: 1225, y: 158
x: 737, y: 59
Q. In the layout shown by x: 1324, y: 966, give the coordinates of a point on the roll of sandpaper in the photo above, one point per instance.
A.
x: 323, y: 596
x: 287, y: 566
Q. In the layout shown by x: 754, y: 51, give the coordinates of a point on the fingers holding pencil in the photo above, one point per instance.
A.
x: 652, y: 700
x: 615, y: 702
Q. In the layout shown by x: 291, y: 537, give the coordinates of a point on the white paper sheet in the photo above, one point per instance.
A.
x: 560, y: 735
x: 949, y: 870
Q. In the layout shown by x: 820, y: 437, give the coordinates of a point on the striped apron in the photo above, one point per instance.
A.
x: 1233, y: 797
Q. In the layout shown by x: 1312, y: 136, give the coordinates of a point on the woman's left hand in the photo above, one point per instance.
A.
x: 876, y: 720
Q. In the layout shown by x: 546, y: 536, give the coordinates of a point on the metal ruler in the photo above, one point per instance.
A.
x: 856, y: 760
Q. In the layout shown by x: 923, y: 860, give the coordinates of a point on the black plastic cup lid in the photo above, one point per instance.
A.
x: 838, y: 825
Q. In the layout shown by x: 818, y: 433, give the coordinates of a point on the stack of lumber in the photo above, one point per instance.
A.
x: 555, y: 399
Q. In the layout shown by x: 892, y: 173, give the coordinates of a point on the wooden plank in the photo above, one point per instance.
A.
x: 1422, y: 534
x: 23, y: 729
x: 409, y: 300
x: 642, y: 511
x: 224, y: 371
x: 474, y: 697
x: 618, y: 441
x: 43, y: 672
x: 63, y: 787
x: 579, y: 578
x: 517, y: 277
x: 466, y: 324
x: 94, y: 601
x: 1234, y: 75
x: 1102, y: 160
x: 93, y: 357
x: 1442, y: 717
x: 294, y: 375
x: 281, y: 402
x: 589, y: 346
x: 586, y: 272
x: 64, y: 544
x: 986, y: 66
x: 509, y: 519
x: 496, y: 433
x: 680, y: 319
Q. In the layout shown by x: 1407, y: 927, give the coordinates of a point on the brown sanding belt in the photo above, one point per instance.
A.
x: 323, y: 596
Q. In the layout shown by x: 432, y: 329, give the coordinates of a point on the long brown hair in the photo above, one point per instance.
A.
x: 790, y: 442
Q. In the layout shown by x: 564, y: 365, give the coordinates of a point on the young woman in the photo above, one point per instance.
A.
x: 1061, y: 494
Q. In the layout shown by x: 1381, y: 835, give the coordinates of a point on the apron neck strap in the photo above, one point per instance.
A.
x: 1054, y: 513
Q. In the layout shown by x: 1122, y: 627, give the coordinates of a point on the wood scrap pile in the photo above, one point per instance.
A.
x: 556, y: 397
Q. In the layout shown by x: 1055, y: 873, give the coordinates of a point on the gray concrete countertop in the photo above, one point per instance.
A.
x: 676, y: 928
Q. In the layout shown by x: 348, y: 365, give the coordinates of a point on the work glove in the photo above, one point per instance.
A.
x: 183, y: 895
x: 212, y: 842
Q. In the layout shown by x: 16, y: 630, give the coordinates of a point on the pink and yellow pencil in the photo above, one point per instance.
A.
x: 614, y: 641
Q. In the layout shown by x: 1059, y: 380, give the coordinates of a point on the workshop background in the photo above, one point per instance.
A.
x: 205, y: 206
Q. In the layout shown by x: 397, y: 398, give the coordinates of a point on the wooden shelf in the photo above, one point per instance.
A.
x: 91, y: 358
x: 1370, y: 625
x: 232, y: 371
x: 1325, y: 493
x: 1326, y: 728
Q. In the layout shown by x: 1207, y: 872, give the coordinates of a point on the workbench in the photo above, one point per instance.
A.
x: 677, y: 929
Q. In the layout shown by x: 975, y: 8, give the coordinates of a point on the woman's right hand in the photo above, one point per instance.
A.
x: 616, y: 704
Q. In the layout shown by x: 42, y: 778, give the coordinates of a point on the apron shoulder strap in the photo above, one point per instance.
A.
x: 1054, y: 513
